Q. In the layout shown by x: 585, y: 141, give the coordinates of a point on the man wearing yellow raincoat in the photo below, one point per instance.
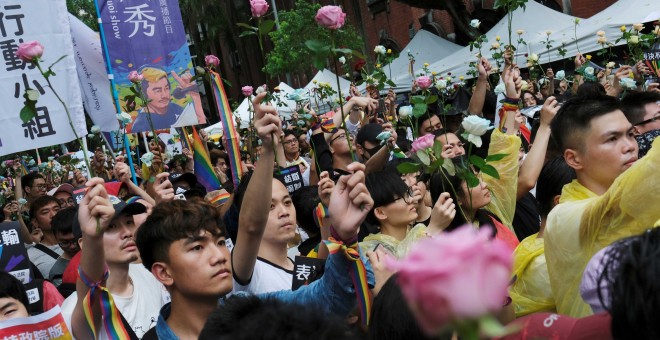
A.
x: 614, y: 196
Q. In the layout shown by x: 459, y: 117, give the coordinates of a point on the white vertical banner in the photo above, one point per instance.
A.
x: 47, y: 22
x: 93, y: 76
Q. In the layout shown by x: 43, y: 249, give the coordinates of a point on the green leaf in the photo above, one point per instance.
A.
x: 244, y: 25
x: 317, y: 46
x: 408, y: 168
x: 342, y: 50
x: 495, y: 157
x: 490, y: 171
x: 419, y: 110
x: 266, y: 26
x: 471, y: 179
x: 450, y: 167
x: 423, y: 157
x: 28, y: 112
x: 417, y: 99
x: 319, y: 61
x: 391, y: 83
x: 246, y: 33
x: 132, y: 88
x: 477, y: 161
x: 436, y: 165
x: 431, y: 99
x: 437, y: 149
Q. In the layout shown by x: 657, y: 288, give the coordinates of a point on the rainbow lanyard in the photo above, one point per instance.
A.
x: 111, y: 316
x: 358, y: 271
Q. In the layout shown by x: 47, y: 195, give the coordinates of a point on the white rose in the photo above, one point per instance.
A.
x: 524, y: 86
x: 499, y: 88
x: 601, y: 40
x: 261, y: 89
x: 611, y: 64
x: 405, y: 111
x: 380, y: 49
x: 634, y: 39
x: 95, y: 129
x: 441, y: 84
x: 628, y: 83
x: 124, y: 118
x: 495, y: 46
x: 600, y: 33
x: 475, y: 23
x: 561, y: 75
x: 589, y: 70
x: 533, y: 57
x: 147, y: 158
x: 32, y: 95
x: 342, y: 60
x: 475, y: 127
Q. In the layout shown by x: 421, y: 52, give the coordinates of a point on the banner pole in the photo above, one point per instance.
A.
x: 113, y: 88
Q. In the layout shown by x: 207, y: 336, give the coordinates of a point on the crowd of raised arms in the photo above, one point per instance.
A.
x: 572, y: 192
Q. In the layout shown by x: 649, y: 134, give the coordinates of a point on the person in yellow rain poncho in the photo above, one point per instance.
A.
x: 614, y: 196
x: 531, y: 291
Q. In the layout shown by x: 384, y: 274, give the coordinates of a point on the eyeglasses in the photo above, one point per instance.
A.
x: 290, y: 141
x: 64, y: 203
x: 67, y: 243
x: 648, y: 121
x: 407, y: 196
x: 40, y: 186
x: 343, y: 135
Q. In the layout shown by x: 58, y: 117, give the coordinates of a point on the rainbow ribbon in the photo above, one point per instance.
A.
x: 358, y: 274
x: 220, y: 199
x: 114, y: 327
x: 202, y: 164
x: 320, y: 212
x: 228, y: 128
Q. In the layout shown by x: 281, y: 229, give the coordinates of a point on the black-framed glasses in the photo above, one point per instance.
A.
x: 343, y: 135
x: 648, y: 121
x: 290, y: 142
x: 40, y: 186
x: 64, y: 203
x: 67, y: 243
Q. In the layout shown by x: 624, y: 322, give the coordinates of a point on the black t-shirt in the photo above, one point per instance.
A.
x: 526, y: 220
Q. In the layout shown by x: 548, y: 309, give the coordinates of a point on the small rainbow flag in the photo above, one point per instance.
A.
x: 230, y: 133
x: 203, y: 169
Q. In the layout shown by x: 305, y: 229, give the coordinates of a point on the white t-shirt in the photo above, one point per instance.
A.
x: 140, y: 310
x: 266, y: 277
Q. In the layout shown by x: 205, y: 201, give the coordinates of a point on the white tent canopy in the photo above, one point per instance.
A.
x: 286, y: 110
x: 622, y: 12
x: 535, y: 20
x: 425, y: 47
x: 327, y: 76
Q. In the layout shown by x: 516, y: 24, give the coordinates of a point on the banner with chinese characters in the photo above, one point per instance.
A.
x: 652, y: 60
x: 46, y: 326
x: 147, y: 36
x: 45, y: 21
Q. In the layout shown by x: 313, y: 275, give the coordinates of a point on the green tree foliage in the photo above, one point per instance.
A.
x: 297, y: 26
x: 85, y: 11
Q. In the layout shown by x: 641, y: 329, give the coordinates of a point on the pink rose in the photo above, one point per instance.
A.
x: 331, y: 17
x: 423, y: 142
x: 135, y: 77
x: 29, y: 51
x: 211, y: 60
x: 424, y: 82
x: 247, y: 90
x: 455, y: 276
x: 258, y: 7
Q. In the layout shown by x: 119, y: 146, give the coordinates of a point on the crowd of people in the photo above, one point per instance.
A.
x: 575, y: 199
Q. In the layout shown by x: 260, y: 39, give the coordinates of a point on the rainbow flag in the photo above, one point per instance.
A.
x: 230, y: 133
x: 220, y: 199
x: 203, y: 168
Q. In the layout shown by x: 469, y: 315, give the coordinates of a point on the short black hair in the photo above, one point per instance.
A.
x: 62, y: 222
x: 11, y: 287
x: 633, y: 104
x: 40, y: 203
x: 251, y: 317
x: 173, y: 221
x: 28, y: 180
x: 575, y: 116
x: 384, y: 187
x: 631, y: 275
x: 305, y: 200
x: 554, y: 175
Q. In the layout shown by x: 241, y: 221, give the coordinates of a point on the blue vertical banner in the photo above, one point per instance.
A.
x: 147, y: 36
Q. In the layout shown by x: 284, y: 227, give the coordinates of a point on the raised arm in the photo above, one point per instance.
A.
x: 476, y: 105
x: 257, y: 199
x: 94, y: 215
x: 531, y: 167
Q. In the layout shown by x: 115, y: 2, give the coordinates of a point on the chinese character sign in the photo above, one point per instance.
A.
x: 147, y: 36
x: 13, y: 256
x: 652, y: 60
x: 46, y: 326
x: 47, y: 22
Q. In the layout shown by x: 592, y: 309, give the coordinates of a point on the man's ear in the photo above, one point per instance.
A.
x: 27, y: 189
x: 574, y: 159
x: 162, y: 273
x: 80, y: 242
x: 636, y: 131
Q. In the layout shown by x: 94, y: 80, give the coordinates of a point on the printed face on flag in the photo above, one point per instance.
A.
x: 148, y: 37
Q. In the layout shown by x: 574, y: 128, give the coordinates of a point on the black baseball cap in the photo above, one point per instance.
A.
x: 369, y: 133
x: 187, y: 177
x: 120, y: 207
